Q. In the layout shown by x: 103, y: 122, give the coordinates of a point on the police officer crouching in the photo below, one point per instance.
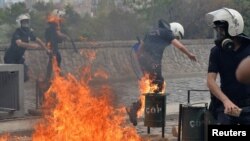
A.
x: 21, y: 40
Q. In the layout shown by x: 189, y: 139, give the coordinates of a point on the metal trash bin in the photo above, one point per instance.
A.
x: 155, y: 111
x: 11, y: 90
x: 193, y: 120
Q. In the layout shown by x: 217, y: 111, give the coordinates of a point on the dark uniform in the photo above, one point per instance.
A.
x: 225, y: 63
x: 53, y: 40
x: 150, y: 57
x: 14, y: 54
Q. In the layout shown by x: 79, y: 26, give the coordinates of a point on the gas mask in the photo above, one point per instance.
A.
x: 25, y: 24
x: 223, y: 39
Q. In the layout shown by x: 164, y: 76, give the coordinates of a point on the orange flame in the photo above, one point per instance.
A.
x: 73, y: 112
x: 4, y: 137
x: 145, y: 87
x: 54, y: 19
x: 8, y: 137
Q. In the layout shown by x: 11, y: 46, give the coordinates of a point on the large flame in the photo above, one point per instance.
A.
x: 145, y: 87
x: 73, y: 112
x: 4, y: 137
x: 8, y: 137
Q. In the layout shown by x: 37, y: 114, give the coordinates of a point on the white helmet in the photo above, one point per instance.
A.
x: 177, y: 29
x: 231, y: 16
x: 58, y: 13
x: 22, y: 17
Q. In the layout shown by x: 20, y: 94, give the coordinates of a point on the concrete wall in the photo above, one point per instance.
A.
x: 115, y: 58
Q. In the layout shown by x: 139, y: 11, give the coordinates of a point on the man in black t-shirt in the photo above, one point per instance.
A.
x: 149, y: 54
x: 154, y: 43
x: 231, y: 47
x: 20, y: 42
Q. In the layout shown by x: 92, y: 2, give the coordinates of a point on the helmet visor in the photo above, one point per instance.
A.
x: 181, y: 36
x: 218, y: 15
x: 25, y: 23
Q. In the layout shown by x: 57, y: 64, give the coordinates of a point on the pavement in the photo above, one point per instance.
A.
x: 125, y: 93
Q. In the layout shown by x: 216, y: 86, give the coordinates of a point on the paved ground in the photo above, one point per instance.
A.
x: 127, y: 91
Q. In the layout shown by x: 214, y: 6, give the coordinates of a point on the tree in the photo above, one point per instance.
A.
x: 149, y: 10
x: 39, y: 15
x: 11, y: 13
x: 14, y: 11
x: 105, y: 7
x: 73, y: 23
x: 124, y: 22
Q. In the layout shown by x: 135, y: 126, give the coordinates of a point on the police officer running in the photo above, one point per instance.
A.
x: 150, y: 53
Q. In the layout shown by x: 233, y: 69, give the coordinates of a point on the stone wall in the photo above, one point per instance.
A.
x: 115, y: 58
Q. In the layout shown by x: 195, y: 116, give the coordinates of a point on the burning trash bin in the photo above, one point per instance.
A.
x: 155, y: 111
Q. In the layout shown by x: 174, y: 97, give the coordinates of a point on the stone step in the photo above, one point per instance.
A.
x: 18, y: 124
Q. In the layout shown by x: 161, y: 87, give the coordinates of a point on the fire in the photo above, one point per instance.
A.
x: 4, y: 137
x: 74, y: 112
x: 145, y: 87
x: 8, y: 137
x: 54, y: 19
